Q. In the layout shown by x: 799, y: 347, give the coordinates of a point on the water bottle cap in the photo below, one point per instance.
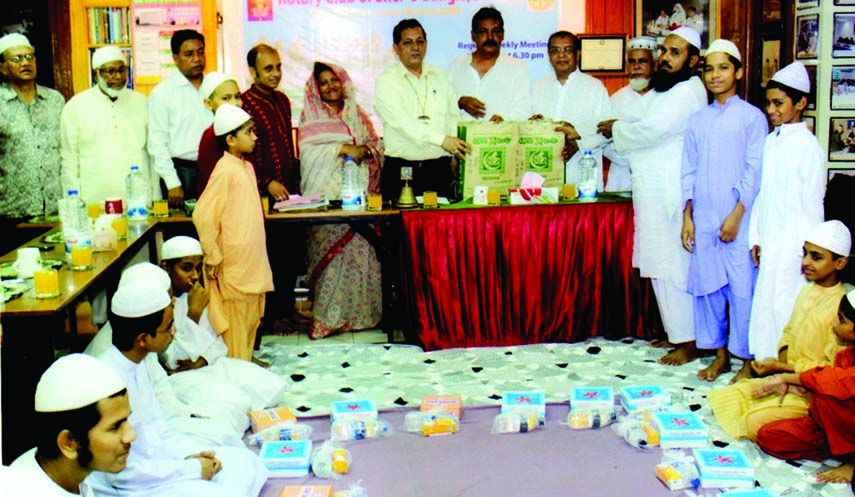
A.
x: 348, y: 158
x: 588, y: 152
x: 135, y: 168
x: 73, y: 192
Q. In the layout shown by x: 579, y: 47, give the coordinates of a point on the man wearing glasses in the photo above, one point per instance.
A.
x: 104, y: 132
x: 29, y: 140
x: 571, y: 96
x: 490, y: 84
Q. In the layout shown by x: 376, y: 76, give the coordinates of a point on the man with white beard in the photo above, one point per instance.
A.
x: 627, y: 104
x: 104, y: 132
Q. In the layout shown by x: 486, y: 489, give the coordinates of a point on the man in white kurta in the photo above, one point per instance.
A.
x: 104, y: 132
x: 164, y: 462
x: 223, y: 423
x: 654, y: 146
x: 627, y: 105
x: 490, y: 84
x: 77, y: 397
x: 569, y: 95
x: 202, y: 375
x: 789, y: 205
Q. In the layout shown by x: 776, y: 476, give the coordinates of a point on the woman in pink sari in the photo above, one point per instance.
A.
x: 344, y: 274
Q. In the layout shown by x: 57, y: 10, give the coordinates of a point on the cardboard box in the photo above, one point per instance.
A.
x: 539, y: 149
x: 261, y: 419
x: 592, y: 398
x: 644, y: 397
x: 724, y: 468
x: 524, y: 403
x: 493, y: 160
x: 286, y: 459
x: 681, y: 430
x: 307, y: 491
x: 353, y: 410
x: 444, y: 403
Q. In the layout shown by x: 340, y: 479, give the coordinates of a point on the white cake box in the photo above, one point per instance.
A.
x: 286, y: 459
x: 644, y: 397
x: 353, y: 410
x: 592, y: 398
x: 524, y: 403
x: 681, y: 430
x: 724, y: 468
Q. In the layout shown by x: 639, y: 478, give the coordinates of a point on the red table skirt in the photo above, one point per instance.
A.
x: 520, y: 275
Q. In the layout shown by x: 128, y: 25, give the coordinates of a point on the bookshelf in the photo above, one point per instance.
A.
x: 95, y: 23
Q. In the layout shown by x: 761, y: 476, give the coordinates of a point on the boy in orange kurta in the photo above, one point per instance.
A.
x: 230, y: 224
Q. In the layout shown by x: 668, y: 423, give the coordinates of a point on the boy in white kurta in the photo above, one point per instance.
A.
x: 789, y: 204
x: 201, y: 372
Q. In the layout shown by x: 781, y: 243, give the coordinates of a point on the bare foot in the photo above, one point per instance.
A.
x: 683, y: 354
x: 743, y: 373
x: 259, y: 362
x: 840, y: 474
x: 719, y: 366
x: 661, y: 343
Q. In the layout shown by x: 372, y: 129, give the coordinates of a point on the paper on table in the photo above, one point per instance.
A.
x: 298, y: 201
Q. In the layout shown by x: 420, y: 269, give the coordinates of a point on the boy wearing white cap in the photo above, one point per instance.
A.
x: 216, y: 89
x: 197, y: 353
x: 654, y: 146
x: 82, y: 412
x: 230, y: 223
x: 104, y: 132
x: 627, y: 104
x: 792, y: 188
x: 164, y: 462
x: 722, y: 155
x: 29, y: 127
x: 827, y: 428
x: 807, y: 341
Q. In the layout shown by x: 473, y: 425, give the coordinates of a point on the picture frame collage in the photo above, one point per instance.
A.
x: 841, y: 124
x: 807, y: 47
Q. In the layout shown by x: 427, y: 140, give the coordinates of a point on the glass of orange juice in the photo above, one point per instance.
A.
x: 161, y: 208
x: 81, y: 257
x: 120, y: 226
x: 568, y: 192
x: 94, y: 210
x: 46, y: 282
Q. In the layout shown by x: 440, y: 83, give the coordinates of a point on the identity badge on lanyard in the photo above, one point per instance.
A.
x: 423, y: 116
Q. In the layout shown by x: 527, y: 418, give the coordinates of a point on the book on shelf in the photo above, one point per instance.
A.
x: 109, y: 25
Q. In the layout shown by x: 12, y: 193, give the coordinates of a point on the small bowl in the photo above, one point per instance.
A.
x: 189, y: 206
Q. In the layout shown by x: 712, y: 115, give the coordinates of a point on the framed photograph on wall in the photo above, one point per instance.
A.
x: 811, y: 70
x: 834, y: 171
x: 810, y: 121
x: 658, y: 18
x: 771, y: 60
x: 806, y: 4
x: 843, y: 37
x: 602, y: 53
x: 844, y: 2
x: 841, y: 139
x: 842, y: 87
x: 807, y: 36
x: 771, y: 10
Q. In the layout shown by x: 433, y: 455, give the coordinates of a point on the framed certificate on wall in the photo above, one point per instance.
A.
x: 602, y: 53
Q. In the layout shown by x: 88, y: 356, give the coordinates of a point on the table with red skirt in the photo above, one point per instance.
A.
x: 526, y: 274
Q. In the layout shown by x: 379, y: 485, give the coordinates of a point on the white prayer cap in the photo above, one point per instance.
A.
x: 146, y: 272
x: 13, y: 40
x: 642, y: 43
x: 690, y: 35
x: 228, y: 118
x: 180, y: 246
x: 106, y: 54
x: 139, y: 298
x: 211, y: 82
x: 832, y: 236
x: 75, y: 381
x: 795, y: 76
x: 724, y: 46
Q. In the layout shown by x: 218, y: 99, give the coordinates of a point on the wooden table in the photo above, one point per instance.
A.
x: 31, y: 326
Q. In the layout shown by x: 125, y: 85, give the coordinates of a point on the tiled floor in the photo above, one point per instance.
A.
x: 366, y: 336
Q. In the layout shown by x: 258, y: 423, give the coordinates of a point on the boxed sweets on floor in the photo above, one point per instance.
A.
x: 678, y: 430
x: 353, y: 410
x: 644, y: 397
x: 592, y: 398
x: 524, y: 403
x: 263, y: 418
x: 286, y: 459
x: 307, y: 491
x: 724, y: 468
x: 444, y: 403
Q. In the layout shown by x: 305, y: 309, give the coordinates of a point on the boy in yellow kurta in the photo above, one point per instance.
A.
x: 230, y: 224
x: 808, y: 340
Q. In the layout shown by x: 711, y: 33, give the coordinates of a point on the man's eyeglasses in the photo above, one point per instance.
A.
x: 113, y: 71
x: 17, y: 59
x: 566, y: 50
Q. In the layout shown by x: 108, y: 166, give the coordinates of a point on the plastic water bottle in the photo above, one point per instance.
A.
x: 359, y: 430
x: 138, y: 194
x: 75, y: 222
x: 352, y: 197
x: 587, y: 186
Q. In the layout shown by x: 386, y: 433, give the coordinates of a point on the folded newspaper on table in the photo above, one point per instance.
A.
x: 304, y: 203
